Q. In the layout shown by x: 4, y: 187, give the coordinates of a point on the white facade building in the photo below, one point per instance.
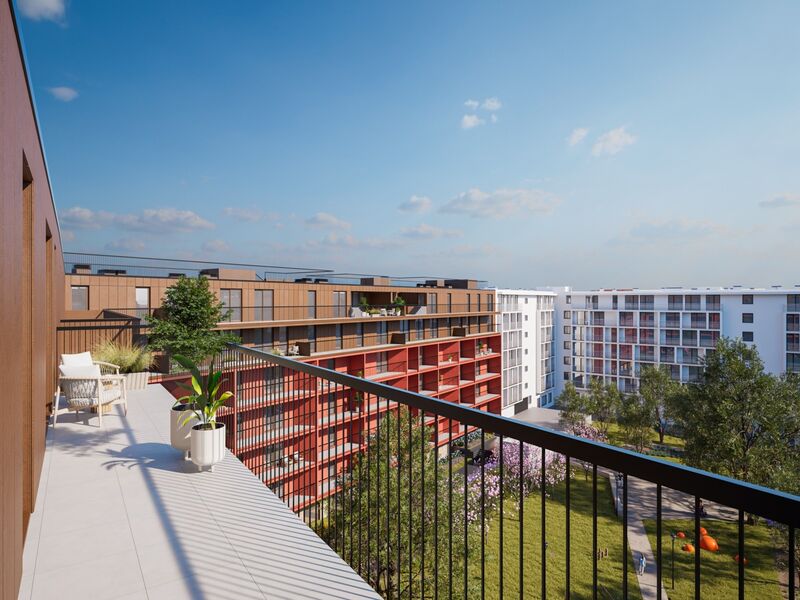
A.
x: 526, y: 319
x: 613, y: 334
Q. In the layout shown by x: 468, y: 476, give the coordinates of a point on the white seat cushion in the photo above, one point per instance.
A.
x: 89, y: 371
x: 84, y: 358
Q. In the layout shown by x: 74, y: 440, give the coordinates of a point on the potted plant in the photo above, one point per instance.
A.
x: 364, y: 305
x: 133, y: 362
x: 207, y: 436
x: 181, y: 421
x: 358, y: 400
x: 399, y: 303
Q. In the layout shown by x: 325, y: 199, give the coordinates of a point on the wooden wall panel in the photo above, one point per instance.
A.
x: 26, y: 378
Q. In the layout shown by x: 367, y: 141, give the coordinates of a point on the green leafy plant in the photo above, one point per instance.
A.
x: 363, y: 304
x: 204, y: 396
x: 129, y: 359
x: 189, y: 315
x: 399, y: 302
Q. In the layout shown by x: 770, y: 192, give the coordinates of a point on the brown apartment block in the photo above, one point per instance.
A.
x: 31, y: 301
x: 439, y: 339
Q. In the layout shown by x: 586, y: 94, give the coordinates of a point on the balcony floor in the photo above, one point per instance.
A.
x: 120, y: 514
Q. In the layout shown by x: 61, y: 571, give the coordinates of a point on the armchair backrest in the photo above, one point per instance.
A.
x: 89, y: 371
x: 81, y: 359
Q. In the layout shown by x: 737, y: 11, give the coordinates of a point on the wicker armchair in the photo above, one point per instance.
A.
x: 87, y: 386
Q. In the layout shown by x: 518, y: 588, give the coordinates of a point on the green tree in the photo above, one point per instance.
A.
x: 372, y: 526
x: 604, y: 403
x: 572, y: 406
x: 186, y: 326
x: 740, y: 421
x: 658, y: 391
x: 637, y: 415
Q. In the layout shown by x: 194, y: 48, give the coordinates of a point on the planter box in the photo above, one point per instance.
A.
x: 136, y: 381
x: 207, y: 446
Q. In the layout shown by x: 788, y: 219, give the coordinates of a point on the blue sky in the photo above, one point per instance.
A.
x: 585, y: 144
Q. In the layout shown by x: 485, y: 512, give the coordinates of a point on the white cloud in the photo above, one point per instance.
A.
x: 51, y: 10
x: 501, y: 203
x: 470, y: 121
x: 472, y: 104
x: 152, y: 220
x: 67, y: 235
x: 416, y: 204
x: 613, y: 142
x: 423, y: 231
x: 492, y: 104
x: 781, y: 201
x: 63, y: 93
x: 327, y: 221
x: 249, y: 214
x: 335, y: 240
x: 577, y: 136
x: 126, y: 244
x: 215, y: 246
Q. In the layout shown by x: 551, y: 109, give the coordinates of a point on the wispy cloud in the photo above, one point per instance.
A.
x: 153, y: 220
x: 501, y: 203
x: 327, y: 221
x: 335, y: 240
x: 472, y: 104
x: 577, y: 136
x: 781, y: 201
x: 674, y: 230
x: 423, y: 231
x: 612, y: 142
x: 215, y: 246
x: 492, y: 103
x: 63, y: 93
x: 67, y: 235
x: 248, y: 214
x: 470, y: 121
x: 126, y: 244
x: 38, y: 10
x: 416, y: 204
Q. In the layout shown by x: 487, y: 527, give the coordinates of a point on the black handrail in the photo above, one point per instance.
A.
x: 768, y: 503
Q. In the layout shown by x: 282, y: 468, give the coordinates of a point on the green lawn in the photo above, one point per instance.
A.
x: 609, y: 536
x: 719, y: 571
x: 615, y: 437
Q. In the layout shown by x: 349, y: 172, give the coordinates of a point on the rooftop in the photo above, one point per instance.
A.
x: 121, y: 514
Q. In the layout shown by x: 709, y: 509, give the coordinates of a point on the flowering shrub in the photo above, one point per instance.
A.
x: 531, y: 464
x: 586, y: 431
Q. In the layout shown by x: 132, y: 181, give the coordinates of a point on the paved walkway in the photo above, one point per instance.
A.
x: 120, y: 514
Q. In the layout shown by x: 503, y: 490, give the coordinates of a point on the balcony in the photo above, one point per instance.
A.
x: 120, y: 513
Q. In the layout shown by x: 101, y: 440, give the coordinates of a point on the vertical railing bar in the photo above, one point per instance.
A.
x: 659, y: 572
x: 466, y: 540
x: 399, y: 486
x: 388, y: 500
x: 594, y: 531
x: 353, y: 453
x: 436, y: 510
x: 740, y: 573
x: 483, y: 514
x: 369, y: 492
x: 567, y: 529
x: 450, y: 508
x: 792, y: 566
x: 697, y: 547
x: 502, y: 516
x: 544, y: 524
x: 422, y: 504
x: 521, y: 513
x: 624, y: 536
x: 411, y: 488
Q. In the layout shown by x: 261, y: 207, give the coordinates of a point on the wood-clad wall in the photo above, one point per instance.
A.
x: 31, y: 303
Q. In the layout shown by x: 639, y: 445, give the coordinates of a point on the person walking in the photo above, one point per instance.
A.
x: 642, y: 563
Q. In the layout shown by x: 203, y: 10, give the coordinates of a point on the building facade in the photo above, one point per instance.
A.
x: 435, y: 337
x: 526, y: 319
x: 613, y: 334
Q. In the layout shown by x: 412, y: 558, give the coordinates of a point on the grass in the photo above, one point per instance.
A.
x: 719, y: 571
x: 609, y: 536
x: 617, y: 438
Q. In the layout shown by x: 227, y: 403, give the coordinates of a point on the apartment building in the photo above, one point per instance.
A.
x: 436, y: 337
x: 614, y: 334
x: 526, y: 319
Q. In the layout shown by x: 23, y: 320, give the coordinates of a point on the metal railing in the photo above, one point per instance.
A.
x: 431, y: 498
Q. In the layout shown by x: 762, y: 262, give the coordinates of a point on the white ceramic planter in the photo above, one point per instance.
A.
x: 208, y: 446
x: 180, y: 436
x: 136, y: 381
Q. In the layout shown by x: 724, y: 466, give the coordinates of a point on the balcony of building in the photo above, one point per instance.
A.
x: 120, y: 514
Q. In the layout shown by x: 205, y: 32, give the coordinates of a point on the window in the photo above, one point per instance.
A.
x: 747, y: 336
x: 615, y: 302
x: 567, y: 314
x: 80, y: 297
x: 232, y: 301
x: 339, y: 304
x: 432, y: 308
x: 793, y: 302
x: 311, y: 334
x: 338, y: 336
x: 675, y: 302
x: 569, y: 299
x: 449, y: 302
x: 311, y: 303
x: 712, y: 302
x: 263, y: 308
x: 142, y: 302
x: 747, y: 298
x: 567, y: 361
x: 747, y: 317
x: 567, y: 345
x: 567, y: 330
x: 479, y: 302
